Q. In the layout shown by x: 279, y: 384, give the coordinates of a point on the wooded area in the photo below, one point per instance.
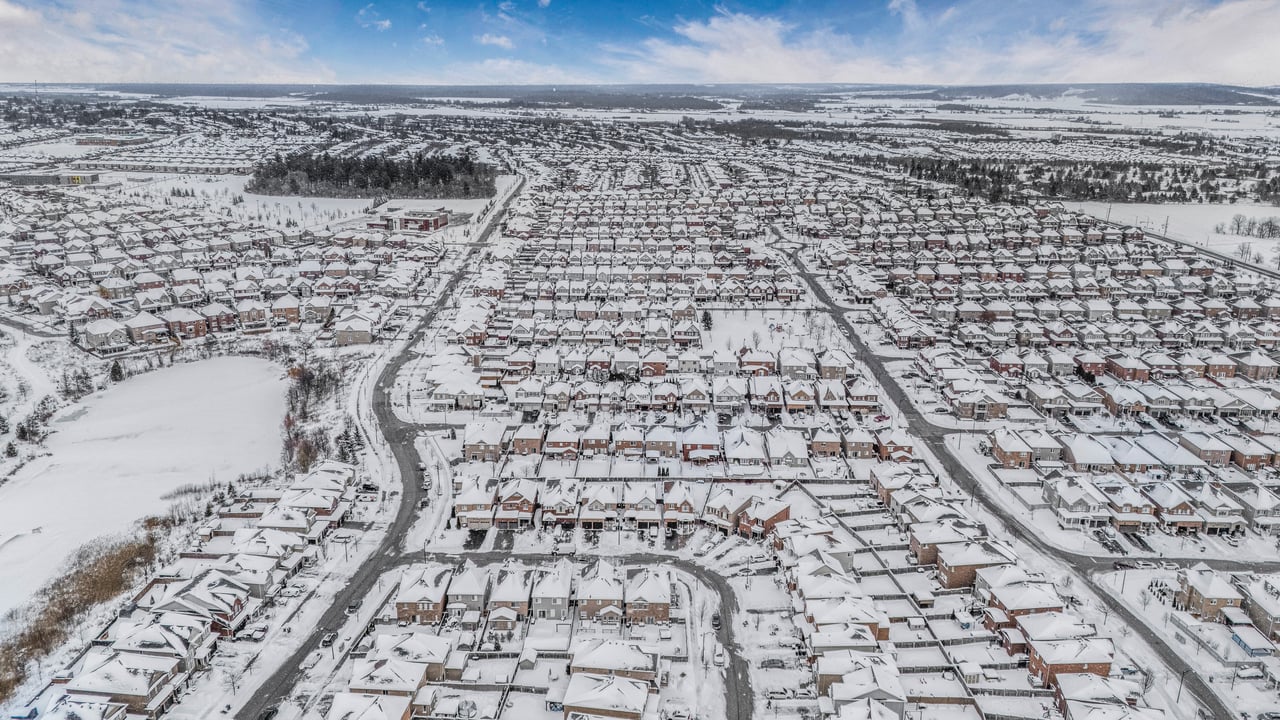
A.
x: 325, y: 175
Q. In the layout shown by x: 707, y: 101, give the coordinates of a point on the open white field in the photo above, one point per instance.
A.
x: 112, y: 460
x: 217, y: 192
x: 1192, y: 222
x: 771, y: 330
x: 54, y: 150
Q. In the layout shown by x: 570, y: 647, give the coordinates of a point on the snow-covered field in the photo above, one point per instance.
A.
x: 49, y: 150
x: 771, y: 330
x: 1192, y: 222
x: 113, y: 459
x: 216, y: 192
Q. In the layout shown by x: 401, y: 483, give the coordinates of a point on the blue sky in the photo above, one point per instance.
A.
x: 611, y: 41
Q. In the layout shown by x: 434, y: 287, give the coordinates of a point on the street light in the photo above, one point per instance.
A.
x: 1181, y: 677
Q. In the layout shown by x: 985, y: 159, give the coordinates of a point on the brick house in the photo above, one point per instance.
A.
x: 1203, y: 592
x: 602, y: 594
x: 421, y: 595
x: 958, y: 563
x: 761, y: 516
x: 1049, y: 658
x: 647, y: 596
x: 1009, y: 449
x: 482, y: 441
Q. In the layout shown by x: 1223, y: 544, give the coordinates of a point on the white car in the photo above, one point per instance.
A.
x: 718, y: 659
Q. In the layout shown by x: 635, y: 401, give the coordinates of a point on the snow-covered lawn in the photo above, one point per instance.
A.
x: 771, y: 330
x: 114, y: 458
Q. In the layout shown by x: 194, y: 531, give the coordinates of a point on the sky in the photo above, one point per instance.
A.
x: 656, y: 41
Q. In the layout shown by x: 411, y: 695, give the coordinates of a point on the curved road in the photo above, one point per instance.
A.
x: 1085, y: 566
x: 400, y: 436
x: 739, y: 698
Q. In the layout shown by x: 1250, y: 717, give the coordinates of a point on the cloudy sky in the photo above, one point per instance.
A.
x: 566, y: 41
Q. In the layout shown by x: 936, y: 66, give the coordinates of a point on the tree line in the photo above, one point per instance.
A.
x: 1265, y: 228
x: 327, y: 175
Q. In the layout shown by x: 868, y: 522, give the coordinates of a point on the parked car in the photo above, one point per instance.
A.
x: 328, y: 639
x: 715, y: 620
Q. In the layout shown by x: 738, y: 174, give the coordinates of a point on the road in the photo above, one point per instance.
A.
x: 400, y: 436
x: 737, y: 678
x: 1228, y: 260
x: 1085, y: 566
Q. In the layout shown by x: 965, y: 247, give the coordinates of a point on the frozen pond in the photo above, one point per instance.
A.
x: 120, y: 451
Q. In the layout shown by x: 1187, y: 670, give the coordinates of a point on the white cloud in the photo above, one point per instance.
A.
x: 1225, y: 41
x: 149, y: 41
x: 544, y: 3
x: 503, y: 71
x: 368, y: 17
x: 909, y: 12
x: 432, y: 40
x: 501, y: 41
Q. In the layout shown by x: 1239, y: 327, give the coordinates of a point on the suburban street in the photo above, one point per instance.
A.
x: 400, y: 436
x: 1085, y: 566
x: 737, y: 679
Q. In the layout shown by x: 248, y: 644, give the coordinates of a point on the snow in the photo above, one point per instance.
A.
x: 775, y: 329
x: 113, y: 459
x: 48, y: 151
x: 1135, y: 589
x: 216, y: 193
x: 1192, y: 222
